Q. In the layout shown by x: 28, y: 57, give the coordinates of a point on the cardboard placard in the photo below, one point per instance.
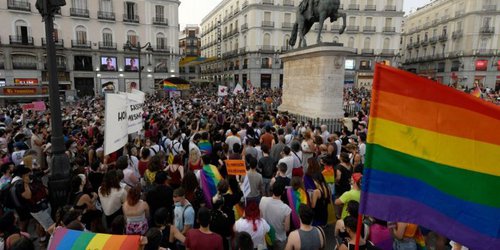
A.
x: 236, y: 167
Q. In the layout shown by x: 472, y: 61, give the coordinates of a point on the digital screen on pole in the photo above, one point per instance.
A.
x: 108, y: 63
x: 349, y: 64
x: 131, y: 64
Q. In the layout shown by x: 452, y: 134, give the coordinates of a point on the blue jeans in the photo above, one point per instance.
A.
x: 404, y: 244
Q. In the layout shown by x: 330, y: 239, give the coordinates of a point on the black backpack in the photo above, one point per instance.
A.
x: 9, y: 198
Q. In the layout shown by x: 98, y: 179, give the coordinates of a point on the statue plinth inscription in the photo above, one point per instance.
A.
x: 313, y: 83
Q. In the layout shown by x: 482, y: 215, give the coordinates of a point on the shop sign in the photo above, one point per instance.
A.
x: 23, y: 91
x: 25, y: 81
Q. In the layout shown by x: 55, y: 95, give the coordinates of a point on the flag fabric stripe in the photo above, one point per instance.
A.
x: 424, y: 113
x: 476, y: 92
x: 436, y: 147
x: 412, y: 86
x: 69, y: 240
x: 115, y: 242
x: 464, y: 212
x: 130, y: 242
x: 98, y: 241
x: 83, y: 240
x: 389, y: 161
x: 295, y: 198
x: 407, y: 154
x: 403, y: 209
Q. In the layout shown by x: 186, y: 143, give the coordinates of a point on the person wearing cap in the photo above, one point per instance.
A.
x: 353, y: 194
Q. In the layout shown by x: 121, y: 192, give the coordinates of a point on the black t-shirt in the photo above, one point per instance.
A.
x: 343, y: 184
x: 267, y: 166
x: 160, y: 196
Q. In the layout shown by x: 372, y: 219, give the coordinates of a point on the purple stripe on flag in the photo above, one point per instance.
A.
x: 394, y: 208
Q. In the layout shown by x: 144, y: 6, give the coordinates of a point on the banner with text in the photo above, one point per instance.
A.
x: 223, y: 91
x: 116, y: 122
x: 236, y: 167
x: 135, y: 104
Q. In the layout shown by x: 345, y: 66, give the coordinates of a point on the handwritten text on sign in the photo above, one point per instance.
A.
x: 236, y: 167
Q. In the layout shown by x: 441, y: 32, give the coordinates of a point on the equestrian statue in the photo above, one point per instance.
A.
x: 312, y: 11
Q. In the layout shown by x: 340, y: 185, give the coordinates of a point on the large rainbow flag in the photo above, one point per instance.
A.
x: 65, y: 239
x: 168, y: 86
x: 433, y: 159
x: 210, y: 178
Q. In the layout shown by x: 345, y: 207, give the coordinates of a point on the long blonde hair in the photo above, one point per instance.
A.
x: 193, y: 156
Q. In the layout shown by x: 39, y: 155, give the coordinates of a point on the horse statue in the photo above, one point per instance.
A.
x: 312, y: 11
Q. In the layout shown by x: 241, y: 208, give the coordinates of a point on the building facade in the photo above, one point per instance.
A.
x: 90, y: 38
x: 190, y: 47
x: 243, y: 39
x: 454, y: 42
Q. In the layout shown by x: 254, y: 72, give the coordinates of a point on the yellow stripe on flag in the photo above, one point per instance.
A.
x: 440, y: 148
x: 98, y: 241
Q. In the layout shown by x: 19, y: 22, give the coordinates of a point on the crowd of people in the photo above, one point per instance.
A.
x: 170, y: 183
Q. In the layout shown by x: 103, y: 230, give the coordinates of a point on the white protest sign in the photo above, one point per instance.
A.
x: 238, y: 90
x: 116, y: 123
x: 135, y: 105
x: 223, y: 91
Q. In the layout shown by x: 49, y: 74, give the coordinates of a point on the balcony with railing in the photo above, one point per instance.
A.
x: 487, y: 30
x: 107, y: 45
x: 60, y: 65
x: 433, y: 40
x: 288, y: 3
x: 370, y: 7
x: 443, y: 38
x: 163, y: 48
x: 19, y: 5
x: 242, y: 51
x: 285, y: 48
x: 130, y: 18
x: 485, y: 52
x: 160, y: 21
x: 268, y: 2
x: 389, y: 29
x: 457, y: 34
x: 336, y: 27
x: 266, y: 49
x: 369, y: 29
x: 286, y: 25
x: 367, y: 51
x: 489, y: 7
x: 244, y: 27
x: 21, y: 40
x: 387, y: 52
x: 390, y: 8
x: 76, y: 12
x: 416, y: 45
x: 24, y: 65
x: 352, y: 28
x: 268, y: 24
x: 425, y: 42
x: 104, y: 15
x: 353, y: 7
x: 58, y: 43
x: 81, y: 44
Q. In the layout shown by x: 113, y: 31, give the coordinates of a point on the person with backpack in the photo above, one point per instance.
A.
x: 183, y: 211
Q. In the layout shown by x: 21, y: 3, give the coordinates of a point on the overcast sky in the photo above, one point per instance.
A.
x: 192, y: 11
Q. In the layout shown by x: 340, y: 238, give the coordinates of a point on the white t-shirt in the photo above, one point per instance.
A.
x: 274, y: 212
x: 288, y: 160
x: 113, y: 201
x: 362, y: 152
x: 17, y: 157
x: 258, y: 237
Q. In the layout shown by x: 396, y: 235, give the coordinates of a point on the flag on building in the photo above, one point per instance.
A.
x: 168, y: 86
x: 433, y: 159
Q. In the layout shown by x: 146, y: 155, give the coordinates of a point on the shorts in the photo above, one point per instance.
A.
x: 43, y: 217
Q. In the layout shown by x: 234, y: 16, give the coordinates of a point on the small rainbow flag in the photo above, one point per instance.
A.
x: 168, y: 86
x: 295, y: 198
x: 425, y: 165
x: 210, y: 178
x: 205, y: 147
x: 476, y: 92
x: 238, y: 211
x: 329, y: 174
x: 420, y: 240
x: 71, y: 239
x: 270, y: 236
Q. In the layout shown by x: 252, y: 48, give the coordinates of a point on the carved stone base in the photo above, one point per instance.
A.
x: 313, y: 83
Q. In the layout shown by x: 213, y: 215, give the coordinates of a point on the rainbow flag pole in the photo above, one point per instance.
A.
x: 426, y: 165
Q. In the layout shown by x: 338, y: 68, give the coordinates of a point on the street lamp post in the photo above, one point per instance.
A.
x: 139, y: 49
x: 60, y: 169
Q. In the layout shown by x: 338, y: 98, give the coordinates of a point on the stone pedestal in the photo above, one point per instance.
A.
x: 313, y: 83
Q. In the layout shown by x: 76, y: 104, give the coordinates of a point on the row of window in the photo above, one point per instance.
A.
x: 23, y: 35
